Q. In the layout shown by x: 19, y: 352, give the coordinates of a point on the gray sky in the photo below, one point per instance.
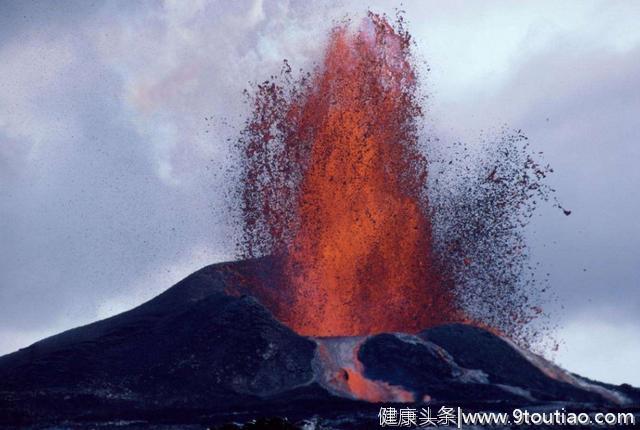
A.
x: 111, y: 184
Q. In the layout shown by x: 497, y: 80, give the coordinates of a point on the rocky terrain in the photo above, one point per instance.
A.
x: 199, y: 355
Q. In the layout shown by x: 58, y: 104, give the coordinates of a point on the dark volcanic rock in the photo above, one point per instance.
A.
x: 207, y: 352
x: 426, y: 370
x: 476, y: 348
x: 192, y: 347
x: 404, y: 362
x: 459, y: 362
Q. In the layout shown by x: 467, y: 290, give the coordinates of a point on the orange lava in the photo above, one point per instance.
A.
x: 360, y: 259
x: 342, y: 372
x: 375, y: 391
x: 335, y: 188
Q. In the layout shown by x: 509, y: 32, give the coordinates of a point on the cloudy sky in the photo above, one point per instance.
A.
x: 114, y: 120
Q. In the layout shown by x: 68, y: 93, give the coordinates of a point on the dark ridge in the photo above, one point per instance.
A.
x: 193, y: 347
x: 206, y: 352
x: 476, y: 348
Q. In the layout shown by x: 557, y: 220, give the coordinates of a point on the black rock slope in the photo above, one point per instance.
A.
x: 193, y: 347
x: 198, y: 354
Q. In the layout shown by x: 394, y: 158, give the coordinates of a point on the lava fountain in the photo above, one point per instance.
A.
x: 336, y: 184
x: 360, y: 259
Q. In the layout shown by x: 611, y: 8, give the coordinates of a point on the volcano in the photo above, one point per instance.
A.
x: 358, y: 286
x: 206, y: 352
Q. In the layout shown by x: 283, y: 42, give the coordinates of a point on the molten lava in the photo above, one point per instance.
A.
x: 343, y: 191
x: 338, y: 369
x: 360, y: 261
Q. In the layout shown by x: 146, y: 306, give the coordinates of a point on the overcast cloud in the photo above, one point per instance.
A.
x: 111, y: 178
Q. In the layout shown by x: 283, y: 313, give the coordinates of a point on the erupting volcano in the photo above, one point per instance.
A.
x: 377, y: 265
x: 335, y: 182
